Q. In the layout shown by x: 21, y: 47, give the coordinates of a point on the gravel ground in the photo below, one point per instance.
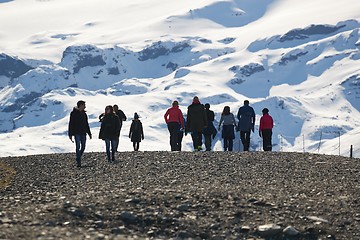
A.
x: 180, y: 195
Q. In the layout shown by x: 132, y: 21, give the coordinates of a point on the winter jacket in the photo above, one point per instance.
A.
x: 246, y: 116
x: 122, y: 117
x: 174, y: 114
x: 227, y: 120
x: 78, y: 124
x: 266, y: 122
x: 136, y: 131
x: 210, y: 128
x: 110, y: 127
x: 196, y: 118
x: 228, y: 126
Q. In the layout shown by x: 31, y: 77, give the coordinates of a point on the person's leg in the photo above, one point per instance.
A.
x: 117, y: 144
x: 113, y: 149
x: 193, y: 137
x: 134, y: 146
x: 270, y: 140
x: 107, y: 145
x: 137, y: 146
x: 83, y: 144
x: 247, y: 141
x: 230, y: 144
x: 267, y: 134
x: 169, y: 126
x: 207, y: 142
x: 180, y: 137
x: 243, y: 140
x: 77, y: 149
x: 198, y: 140
x: 174, y: 129
x: 225, y: 144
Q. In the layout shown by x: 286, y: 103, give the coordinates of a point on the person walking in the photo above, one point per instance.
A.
x: 109, y: 131
x: 136, y: 133
x: 79, y: 127
x: 175, y: 122
x: 246, y: 117
x: 265, y: 130
x: 229, y: 123
x: 122, y: 117
x: 195, y: 123
x: 210, y: 131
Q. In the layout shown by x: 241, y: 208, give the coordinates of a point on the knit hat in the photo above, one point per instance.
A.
x: 136, y: 116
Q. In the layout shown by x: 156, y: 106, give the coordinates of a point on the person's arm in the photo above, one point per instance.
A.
x: 233, y: 119
x: 239, y: 114
x: 253, y: 120
x: 142, y: 131
x: 188, y: 123
x: 205, y: 118
x: 181, y: 119
x: 123, y: 115
x: 131, y: 128
x: 70, y: 129
x: 166, y: 116
x: 220, y: 122
x: 88, y: 128
x: 261, y: 126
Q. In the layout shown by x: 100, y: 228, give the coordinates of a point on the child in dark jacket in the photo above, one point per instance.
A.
x: 136, y: 133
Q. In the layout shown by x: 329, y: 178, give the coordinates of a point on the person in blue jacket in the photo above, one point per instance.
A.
x: 246, y: 117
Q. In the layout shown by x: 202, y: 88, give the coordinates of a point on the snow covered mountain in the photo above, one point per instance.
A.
x: 300, y: 59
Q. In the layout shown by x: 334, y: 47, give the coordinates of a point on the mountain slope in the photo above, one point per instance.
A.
x: 297, y: 59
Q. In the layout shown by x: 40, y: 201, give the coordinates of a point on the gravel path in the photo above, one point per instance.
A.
x: 162, y: 195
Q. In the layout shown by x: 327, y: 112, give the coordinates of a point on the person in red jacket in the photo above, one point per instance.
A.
x: 175, y: 121
x: 265, y: 130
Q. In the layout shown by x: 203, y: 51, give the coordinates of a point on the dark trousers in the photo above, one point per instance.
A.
x: 174, y: 129
x: 136, y: 146
x: 266, y: 135
x: 117, y: 144
x: 80, y: 143
x: 228, y: 144
x: 207, y: 139
x: 197, y: 140
x: 113, y: 144
x: 245, y: 139
x: 180, y: 138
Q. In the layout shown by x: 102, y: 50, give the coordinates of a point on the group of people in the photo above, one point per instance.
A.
x: 199, y: 123
x: 111, y: 124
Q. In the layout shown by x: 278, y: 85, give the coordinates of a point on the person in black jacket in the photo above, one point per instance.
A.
x: 79, y: 127
x: 122, y: 117
x: 195, y: 123
x: 210, y: 131
x: 136, y: 132
x: 109, y: 131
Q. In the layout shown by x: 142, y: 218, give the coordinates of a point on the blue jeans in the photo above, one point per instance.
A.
x: 80, y: 142
x: 113, y: 143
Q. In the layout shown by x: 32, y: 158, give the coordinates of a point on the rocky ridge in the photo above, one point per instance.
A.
x: 180, y: 195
